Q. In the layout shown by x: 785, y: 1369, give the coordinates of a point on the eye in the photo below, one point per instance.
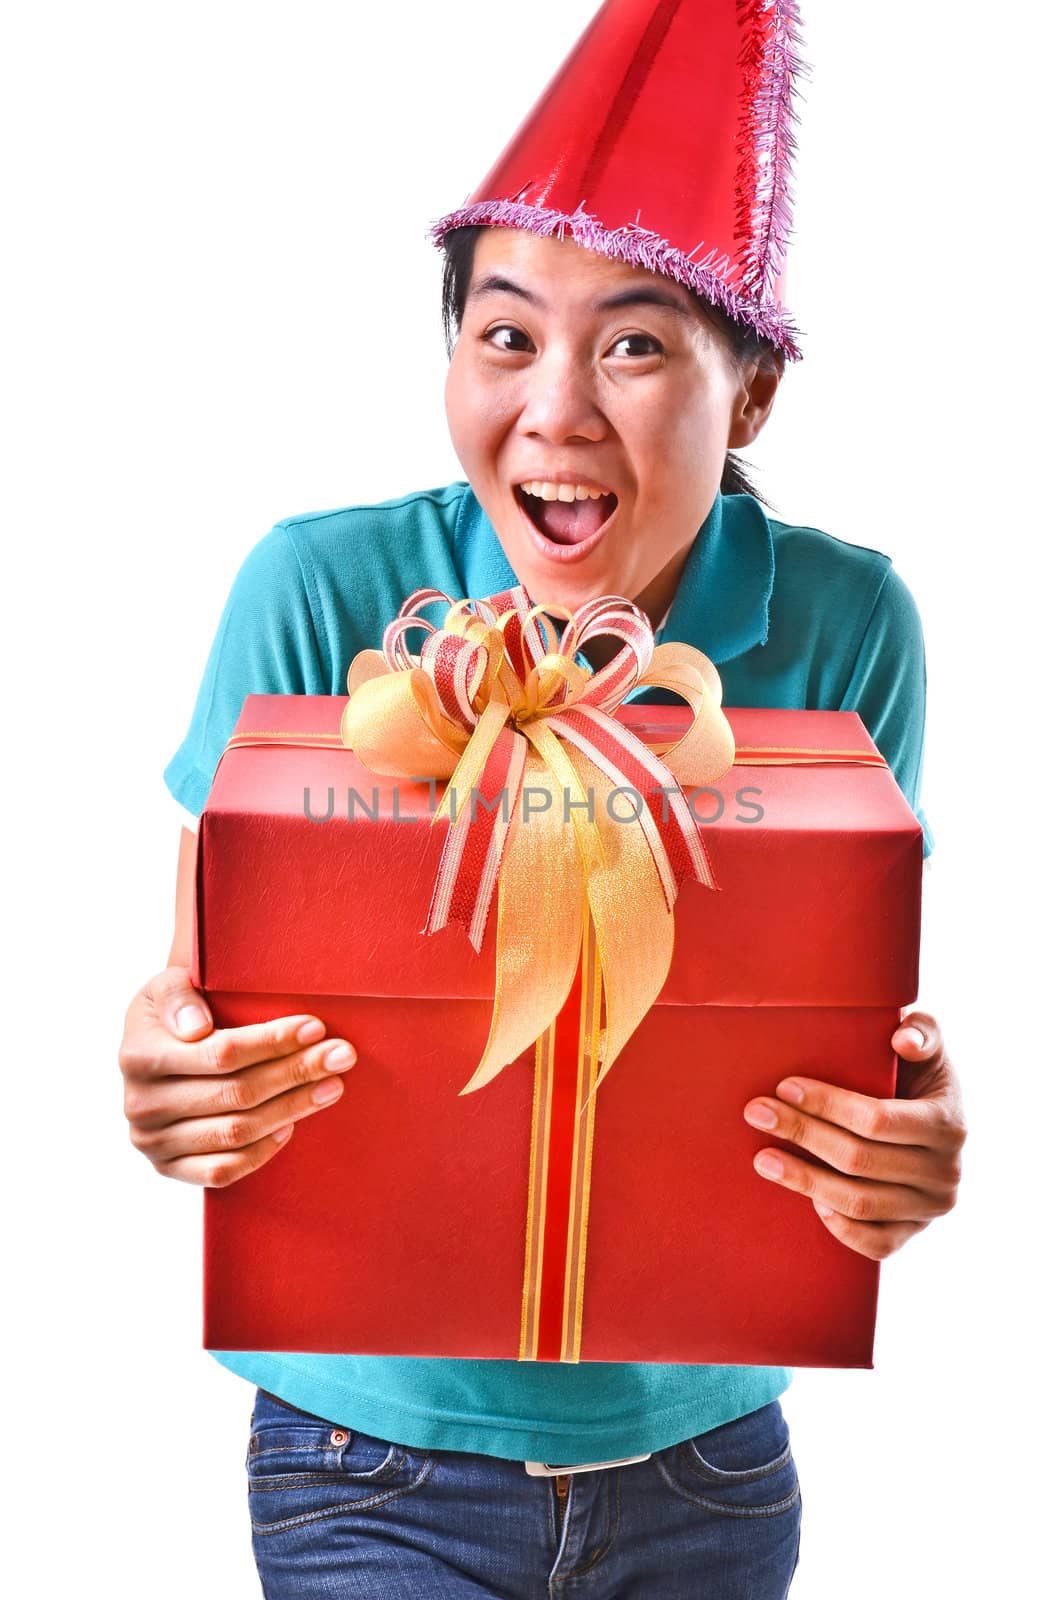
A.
x: 642, y: 338
x: 491, y: 338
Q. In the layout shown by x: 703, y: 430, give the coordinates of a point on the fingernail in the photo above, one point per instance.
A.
x: 325, y: 1092
x: 190, y: 1019
x: 309, y: 1032
x: 821, y: 1209
x: 760, y: 1116
x: 339, y: 1058
x: 283, y: 1134
x: 791, y: 1090
x: 914, y: 1036
x: 768, y: 1165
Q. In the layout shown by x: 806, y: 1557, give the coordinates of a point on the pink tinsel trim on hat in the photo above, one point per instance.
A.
x: 771, y: 63
x: 639, y: 247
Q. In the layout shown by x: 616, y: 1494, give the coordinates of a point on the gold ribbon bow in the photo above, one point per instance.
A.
x: 543, y: 794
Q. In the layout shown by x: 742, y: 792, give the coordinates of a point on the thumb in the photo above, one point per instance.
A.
x: 916, y: 1037
x: 181, y: 1008
x: 909, y: 1037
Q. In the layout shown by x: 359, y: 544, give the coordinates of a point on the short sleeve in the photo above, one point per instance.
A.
x: 888, y: 688
x: 266, y: 643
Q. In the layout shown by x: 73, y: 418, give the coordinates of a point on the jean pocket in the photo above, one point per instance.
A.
x: 742, y: 1468
x: 301, y: 1467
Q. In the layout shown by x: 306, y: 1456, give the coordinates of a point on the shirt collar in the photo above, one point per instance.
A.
x: 722, y: 601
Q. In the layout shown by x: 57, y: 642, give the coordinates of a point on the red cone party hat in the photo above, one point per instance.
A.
x: 665, y: 140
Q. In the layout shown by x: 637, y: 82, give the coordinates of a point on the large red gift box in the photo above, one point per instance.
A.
x: 402, y: 1220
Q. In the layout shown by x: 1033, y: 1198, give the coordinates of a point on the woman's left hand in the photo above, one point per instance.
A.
x: 893, y: 1165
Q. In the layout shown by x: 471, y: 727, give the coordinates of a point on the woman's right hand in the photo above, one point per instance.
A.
x: 208, y: 1105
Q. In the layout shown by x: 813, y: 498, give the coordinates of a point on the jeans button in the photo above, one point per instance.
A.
x: 339, y: 1436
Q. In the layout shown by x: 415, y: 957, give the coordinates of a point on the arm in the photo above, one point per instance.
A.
x: 893, y: 1164
x: 180, y: 949
x: 208, y: 1105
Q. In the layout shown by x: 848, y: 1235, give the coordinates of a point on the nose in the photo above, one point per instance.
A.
x: 560, y: 402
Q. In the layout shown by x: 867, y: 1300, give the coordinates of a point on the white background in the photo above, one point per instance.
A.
x: 221, y: 309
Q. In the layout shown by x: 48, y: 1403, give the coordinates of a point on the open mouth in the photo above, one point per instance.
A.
x: 567, y: 522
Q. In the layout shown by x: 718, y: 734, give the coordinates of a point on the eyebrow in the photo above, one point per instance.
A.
x: 496, y: 283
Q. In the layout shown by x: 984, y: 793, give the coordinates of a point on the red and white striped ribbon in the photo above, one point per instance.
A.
x: 457, y: 663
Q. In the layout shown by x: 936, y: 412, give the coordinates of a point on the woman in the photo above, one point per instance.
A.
x: 573, y: 373
x: 644, y: 402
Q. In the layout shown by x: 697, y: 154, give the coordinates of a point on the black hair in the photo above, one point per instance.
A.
x: 742, y: 343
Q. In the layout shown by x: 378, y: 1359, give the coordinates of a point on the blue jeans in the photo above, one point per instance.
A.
x: 344, y: 1516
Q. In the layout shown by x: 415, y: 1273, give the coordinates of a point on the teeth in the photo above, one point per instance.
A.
x: 562, y: 491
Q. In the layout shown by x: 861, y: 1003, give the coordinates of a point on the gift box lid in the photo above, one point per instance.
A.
x: 314, y: 875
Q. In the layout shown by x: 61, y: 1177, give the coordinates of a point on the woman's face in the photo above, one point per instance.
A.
x: 577, y: 371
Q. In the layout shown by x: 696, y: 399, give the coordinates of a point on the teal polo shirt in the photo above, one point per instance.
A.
x: 791, y: 617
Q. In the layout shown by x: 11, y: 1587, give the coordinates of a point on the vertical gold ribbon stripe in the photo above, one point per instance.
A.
x: 581, y: 1155
x: 544, y: 1062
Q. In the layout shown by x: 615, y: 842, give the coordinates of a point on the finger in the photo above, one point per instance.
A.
x: 221, y: 1135
x: 227, y: 1050
x: 877, y: 1240
x: 219, y: 1170
x: 888, y: 1121
x: 862, y: 1200
x: 176, y: 1100
x: 914, y: 1164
